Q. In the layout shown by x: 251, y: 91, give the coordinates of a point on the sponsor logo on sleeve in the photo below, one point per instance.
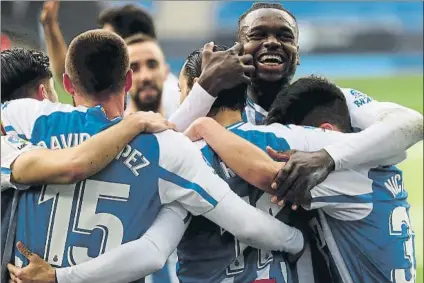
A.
x: 359, y: 98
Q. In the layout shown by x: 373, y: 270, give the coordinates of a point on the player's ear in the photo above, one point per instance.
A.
x: 128, y: 80
x: 40, y: 92
x: 195, y: 80
x: 67, y: 84
x: 328, y: 126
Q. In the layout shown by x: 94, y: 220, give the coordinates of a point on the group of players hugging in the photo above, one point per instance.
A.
x: 254, y: 178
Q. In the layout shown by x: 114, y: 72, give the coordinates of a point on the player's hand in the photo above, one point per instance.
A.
x: 193, y: 132
x: 224, y: 69
x: 38, y: 271
x: 149, y: 122
x: 49, y: 12
x: 302, y: 172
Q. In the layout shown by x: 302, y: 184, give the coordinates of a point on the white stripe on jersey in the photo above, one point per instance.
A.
x: 19, y: 116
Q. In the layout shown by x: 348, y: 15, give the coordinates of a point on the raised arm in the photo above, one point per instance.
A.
x: 220, y: 70
x: 44, y: 166
x: 55, y: 42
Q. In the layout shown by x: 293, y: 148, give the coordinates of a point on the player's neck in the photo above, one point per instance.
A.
x: 264, y: 93
x: 227, y: 117
x: 113, y: 105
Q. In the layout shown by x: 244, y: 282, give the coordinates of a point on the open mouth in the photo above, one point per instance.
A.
x: 271, y: 59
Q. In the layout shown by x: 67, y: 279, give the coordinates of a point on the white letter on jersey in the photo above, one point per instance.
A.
x: 398, y: 219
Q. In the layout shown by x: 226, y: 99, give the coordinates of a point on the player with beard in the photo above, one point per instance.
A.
x: 150, y: 70
x: 126, y: 21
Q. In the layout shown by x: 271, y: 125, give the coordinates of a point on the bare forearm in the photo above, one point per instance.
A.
x: 245, y: 159
x: 73, y: 164
x: 56, y: 48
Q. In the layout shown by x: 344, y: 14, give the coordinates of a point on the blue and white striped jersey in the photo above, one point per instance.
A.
x: 366, y: 234
x: 224, y: 258
x: 363, y: 213
x: 70, y: 224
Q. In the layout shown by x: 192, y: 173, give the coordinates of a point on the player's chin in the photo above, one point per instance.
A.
x: 269, y: 77
x: 270, y: 73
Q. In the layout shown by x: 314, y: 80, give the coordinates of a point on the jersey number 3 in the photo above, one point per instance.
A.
x: 85, y: 221
x: 399, y: 222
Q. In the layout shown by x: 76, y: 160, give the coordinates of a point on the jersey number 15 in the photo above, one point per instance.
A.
x: 85, y: 219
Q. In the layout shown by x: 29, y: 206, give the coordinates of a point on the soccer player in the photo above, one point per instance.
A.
x: 270, y: 34
x: 363, y: 223
x: 24, y: 164
x: 126, y: 21
x: 113, y: 207
x: 26, y: 73
x: 150, y: 70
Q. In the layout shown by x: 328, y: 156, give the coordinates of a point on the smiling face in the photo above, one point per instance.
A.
x: 271, y: 37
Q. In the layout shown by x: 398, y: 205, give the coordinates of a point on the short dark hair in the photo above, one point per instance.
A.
x: 262, y: 5
x: 128, y: 20
x: 22, y: 70
x: 234, y: 98
x: 138, y: 38
x: 311, y: 101
x: 97, y: 62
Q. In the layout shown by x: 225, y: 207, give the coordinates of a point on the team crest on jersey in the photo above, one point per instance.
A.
x: 15, y: 140
x: 360, y: 98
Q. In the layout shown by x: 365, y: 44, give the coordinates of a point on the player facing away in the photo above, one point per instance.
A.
x: 121, y: 202
x: 363, y: 225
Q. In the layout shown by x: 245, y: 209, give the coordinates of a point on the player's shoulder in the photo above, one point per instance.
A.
x: 274, y: 130
x: 175, y: 142
x: 355, y: 97
x: 37, y: 107
x: 176, y: 149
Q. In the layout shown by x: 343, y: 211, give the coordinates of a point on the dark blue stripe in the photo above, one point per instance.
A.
x: 180, y: 181
x: 364, y: 198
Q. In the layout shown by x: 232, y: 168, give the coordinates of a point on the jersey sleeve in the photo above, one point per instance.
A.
x: 19, y: 116
x: 196, y: 105
x: 185, y: 177
x: 11, y: 148
x: 344, y: 195
x: 360, y: 107
x: 386, y: 131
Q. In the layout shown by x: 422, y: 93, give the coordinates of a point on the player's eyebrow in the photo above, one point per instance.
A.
x: 282, y: 28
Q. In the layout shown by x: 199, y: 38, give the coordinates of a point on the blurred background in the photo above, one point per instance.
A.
x: 375, y: 47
